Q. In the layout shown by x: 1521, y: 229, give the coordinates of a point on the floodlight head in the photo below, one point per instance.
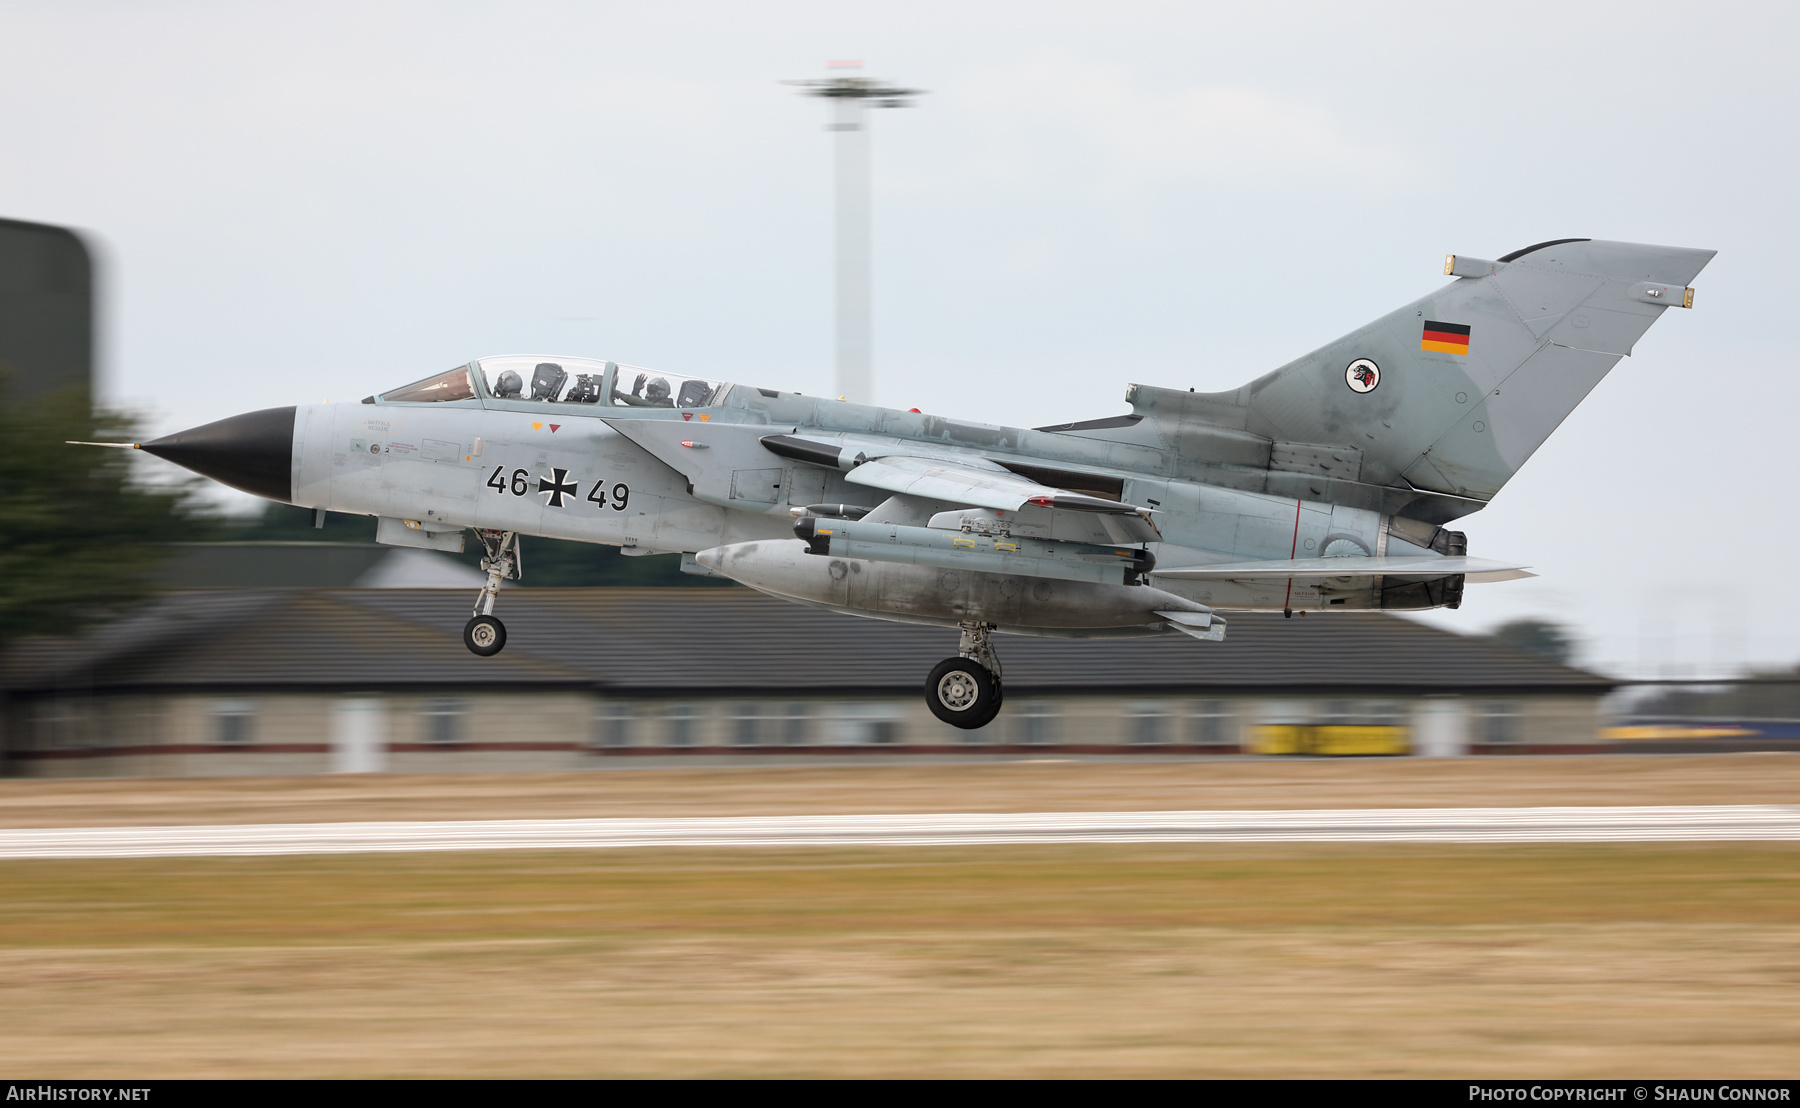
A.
x: 880, y: 94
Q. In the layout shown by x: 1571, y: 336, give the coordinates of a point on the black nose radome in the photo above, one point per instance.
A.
x: 253, y: 452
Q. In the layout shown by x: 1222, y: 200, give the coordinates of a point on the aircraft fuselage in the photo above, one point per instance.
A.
x: 564, y: 471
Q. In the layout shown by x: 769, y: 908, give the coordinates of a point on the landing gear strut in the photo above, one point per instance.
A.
x: 965, y: 691
x: 484, y: 634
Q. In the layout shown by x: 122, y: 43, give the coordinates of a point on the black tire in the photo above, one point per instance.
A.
x: 485, y: 636
x: 962, y: 693
x: 993, y: 710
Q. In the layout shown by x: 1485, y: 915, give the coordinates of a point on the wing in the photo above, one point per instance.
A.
x: 973, y: 482
x: 707, y: 455
x: 963, y: 482
x: 1478, y: 570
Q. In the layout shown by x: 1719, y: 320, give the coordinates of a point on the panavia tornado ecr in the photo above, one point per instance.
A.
x: 1323, y: 486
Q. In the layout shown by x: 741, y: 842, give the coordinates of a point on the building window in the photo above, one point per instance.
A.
x: 1034, y: 723
x: 678, y: 725
x: 756, y: 723
x: 1209, y: 723
x: 793, y: 726
x: 614, y: 725
x: 233, y: 721
x: 1384, y: 713
x: 134, y: 722
x: 1361, y: 713
x: 861, y: 724
x: 747, y: 725
x: 62, y: 724
x: 1147, y: 723
x: 441, y: 721
x: 1496, y: 722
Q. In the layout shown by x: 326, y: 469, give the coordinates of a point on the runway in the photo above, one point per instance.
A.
x: 1721, y: 823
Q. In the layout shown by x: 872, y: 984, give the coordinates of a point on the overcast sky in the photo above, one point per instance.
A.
x: 300, y: 202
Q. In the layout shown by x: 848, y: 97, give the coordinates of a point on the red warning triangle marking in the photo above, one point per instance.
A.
x: 685, y: 416
x: 553, y: 427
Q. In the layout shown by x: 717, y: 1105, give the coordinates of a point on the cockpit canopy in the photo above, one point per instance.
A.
x: 454, y: 384
x: 544, y: 380
x: 561, y: 381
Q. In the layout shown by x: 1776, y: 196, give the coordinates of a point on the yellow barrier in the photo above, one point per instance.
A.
x: 1330, y: 739
x: 1666, y: 731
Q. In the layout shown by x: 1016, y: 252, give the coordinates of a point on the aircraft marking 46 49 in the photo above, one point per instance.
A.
x: 559, y: 484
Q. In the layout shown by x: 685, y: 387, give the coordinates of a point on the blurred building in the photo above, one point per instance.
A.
x: 232, y: 681
x: 314, y: 565
x: 46, y: 309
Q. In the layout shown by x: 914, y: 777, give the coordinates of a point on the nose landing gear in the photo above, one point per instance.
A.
x: 484, y: 634
x: 965, y: 691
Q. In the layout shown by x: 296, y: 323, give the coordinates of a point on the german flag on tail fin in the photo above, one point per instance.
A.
x: 1445, y: 338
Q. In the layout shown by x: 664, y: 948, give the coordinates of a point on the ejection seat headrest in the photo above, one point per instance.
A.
x: 547, y: 380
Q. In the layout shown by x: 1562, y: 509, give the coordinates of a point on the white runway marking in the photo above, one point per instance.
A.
x: 1367, y: 825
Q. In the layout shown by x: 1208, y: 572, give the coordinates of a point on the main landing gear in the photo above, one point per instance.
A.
x: 965, y: 691
x: 484, y: 634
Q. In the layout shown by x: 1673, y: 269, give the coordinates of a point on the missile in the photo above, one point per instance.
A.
x: 979, y: 553
x: 834, y: 511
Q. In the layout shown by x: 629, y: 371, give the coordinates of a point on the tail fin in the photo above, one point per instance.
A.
x: 1453, y: 392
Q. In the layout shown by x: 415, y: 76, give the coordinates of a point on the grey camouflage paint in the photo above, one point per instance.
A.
x: 1295, y: 464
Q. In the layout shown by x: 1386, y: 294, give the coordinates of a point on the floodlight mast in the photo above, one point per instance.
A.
x: 851, y: 96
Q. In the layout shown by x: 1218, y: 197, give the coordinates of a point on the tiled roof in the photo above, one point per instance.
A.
x: 228, y: 638
x: 676, y: 642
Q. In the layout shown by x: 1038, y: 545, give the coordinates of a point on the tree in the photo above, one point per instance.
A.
x: 80, y: 535
x: 1537, y: 636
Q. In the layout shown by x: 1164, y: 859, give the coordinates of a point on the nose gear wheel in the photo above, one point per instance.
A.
x: 484, y: 634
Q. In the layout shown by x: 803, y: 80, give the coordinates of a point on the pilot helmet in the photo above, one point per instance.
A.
x: 657, y: 390
x: 510, y: 384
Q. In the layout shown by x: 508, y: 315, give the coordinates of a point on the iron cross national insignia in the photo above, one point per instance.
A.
x: 558, y: 486
x: 1362, y: 375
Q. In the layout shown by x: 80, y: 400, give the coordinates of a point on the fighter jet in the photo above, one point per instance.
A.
x: 1324, y: 486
